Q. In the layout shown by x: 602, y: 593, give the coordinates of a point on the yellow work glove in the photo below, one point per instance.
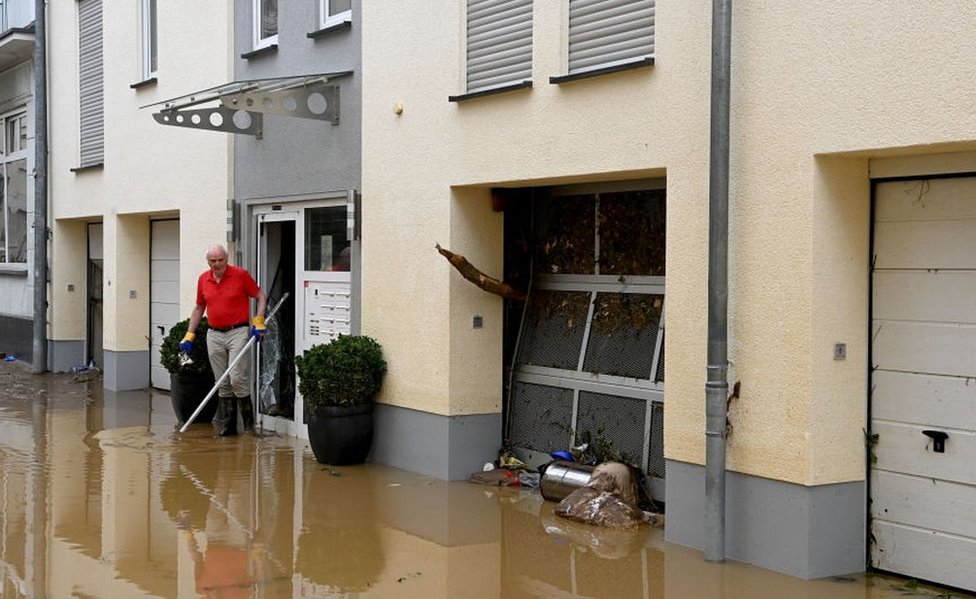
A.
x: 258, y: 330
x: 186, y: 344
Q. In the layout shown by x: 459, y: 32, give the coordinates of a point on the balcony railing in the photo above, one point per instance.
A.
x: 15, y: 13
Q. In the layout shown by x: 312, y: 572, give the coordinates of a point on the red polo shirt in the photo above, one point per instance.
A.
x: 226, y: 302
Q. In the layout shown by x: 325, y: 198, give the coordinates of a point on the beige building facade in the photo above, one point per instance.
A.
x: 134, y: 206
x: 833, y: 109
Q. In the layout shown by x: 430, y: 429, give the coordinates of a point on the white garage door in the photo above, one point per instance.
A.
x: 164, y: 285
x: 923, y: 398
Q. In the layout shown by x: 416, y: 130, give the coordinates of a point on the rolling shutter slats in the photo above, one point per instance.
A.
x: 609, y: 32
x: 90, y: 76
x: 499, y: 43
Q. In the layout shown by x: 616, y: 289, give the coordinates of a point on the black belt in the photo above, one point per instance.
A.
x: 230, y: 328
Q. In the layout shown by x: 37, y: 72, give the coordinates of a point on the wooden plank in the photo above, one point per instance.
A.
x: 925, y: 347
x: 904, y: 448
x: 923, y: 503
x: 924, y: 399
x: 925, y: 295
x: 919, y: 553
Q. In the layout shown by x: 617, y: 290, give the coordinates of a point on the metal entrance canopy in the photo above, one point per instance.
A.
x: 241, y: 105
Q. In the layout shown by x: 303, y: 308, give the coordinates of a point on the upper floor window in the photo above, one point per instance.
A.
x: 604, y: 34
x: 499, y: 44
x: 334, y: 12
x: 91, y: 93
x: 265, y: 23
x: 13, y: 188
x: 149, y: 39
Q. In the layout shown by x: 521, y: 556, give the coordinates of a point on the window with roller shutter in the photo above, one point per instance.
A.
x: 608, y: 35
x: 499, y: 45
x: 91, y: 83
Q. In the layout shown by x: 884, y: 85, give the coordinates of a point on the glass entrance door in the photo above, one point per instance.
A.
x: 276, y: 268
x: 303, y: 249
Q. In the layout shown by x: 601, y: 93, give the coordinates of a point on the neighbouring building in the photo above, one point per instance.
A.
x: 564, y: 148
x: 16, y: 168
x: 134, y: 206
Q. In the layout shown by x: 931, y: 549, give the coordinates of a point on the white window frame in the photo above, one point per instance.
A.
x: 328, y: 19
x: 260, y: 42
x: 8, y: 157
x: 150, y: 39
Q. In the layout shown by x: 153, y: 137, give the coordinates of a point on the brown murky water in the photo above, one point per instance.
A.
x: 101, y: 496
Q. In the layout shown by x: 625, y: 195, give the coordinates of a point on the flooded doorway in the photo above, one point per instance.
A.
x: 588, y: 365
x: 95, y: 276
x: 304, y: 249
x: 276, y: 276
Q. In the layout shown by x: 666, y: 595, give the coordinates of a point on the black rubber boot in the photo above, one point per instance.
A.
x: 226, y: 418
x: 247, y: 413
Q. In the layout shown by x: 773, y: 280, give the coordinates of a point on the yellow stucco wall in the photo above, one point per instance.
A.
x: 150, y: 171
x: 818, y: 90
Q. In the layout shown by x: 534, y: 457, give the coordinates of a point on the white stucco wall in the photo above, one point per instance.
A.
x: 149, y: 170
x: 818, y: 89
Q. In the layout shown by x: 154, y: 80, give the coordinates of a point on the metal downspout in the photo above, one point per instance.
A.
x: 39, y: 362
x: 717, y: 386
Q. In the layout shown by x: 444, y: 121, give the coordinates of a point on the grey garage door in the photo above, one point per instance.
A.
x: 923, y: 381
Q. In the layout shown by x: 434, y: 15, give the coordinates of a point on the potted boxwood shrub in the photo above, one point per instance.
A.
x: 338, y: 381
x: 189, y: 383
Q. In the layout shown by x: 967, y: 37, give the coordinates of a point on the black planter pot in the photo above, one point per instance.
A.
x: 187, y: 390
x: 341, y: 435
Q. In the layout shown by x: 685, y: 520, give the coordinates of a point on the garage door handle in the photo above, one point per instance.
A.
x: 938, y: 440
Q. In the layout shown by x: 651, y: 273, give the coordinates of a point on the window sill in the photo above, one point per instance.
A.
x: 490, y: 92
x: 144, y: 83
x: 646, y: 62
x: 88, y: 167
x: 269, y: 49
x: 13, y: 270
x: 342, y: 26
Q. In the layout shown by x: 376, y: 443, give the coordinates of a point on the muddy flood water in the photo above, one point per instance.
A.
x: 101, y: 496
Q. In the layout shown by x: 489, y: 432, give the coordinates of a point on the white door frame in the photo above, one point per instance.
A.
x: 290, y: 211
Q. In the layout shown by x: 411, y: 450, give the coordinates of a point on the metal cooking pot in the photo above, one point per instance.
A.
x: 560, y: 478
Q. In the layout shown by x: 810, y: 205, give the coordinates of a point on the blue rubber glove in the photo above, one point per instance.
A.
x: 186, y: 344
x: 258, y: 330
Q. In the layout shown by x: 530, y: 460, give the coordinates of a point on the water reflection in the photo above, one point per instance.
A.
x: 102, y: 497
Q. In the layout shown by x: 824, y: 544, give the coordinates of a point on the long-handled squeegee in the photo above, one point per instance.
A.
x: 243, y: 352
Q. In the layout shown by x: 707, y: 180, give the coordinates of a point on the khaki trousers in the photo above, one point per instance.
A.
x: 223, y: 348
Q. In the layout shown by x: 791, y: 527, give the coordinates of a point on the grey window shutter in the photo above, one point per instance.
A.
x: 90, y: 77
x: 606, y: 33
x: 499, y: 43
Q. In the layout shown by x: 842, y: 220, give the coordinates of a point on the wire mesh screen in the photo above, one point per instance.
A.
x: 655, y: 452
x: 623, y: 334
x: 632, y: 232
x: 554, y: 326
x: 659, y: 377
x: 542, y: 417
x: 565, y: 235
x: 612, y: 419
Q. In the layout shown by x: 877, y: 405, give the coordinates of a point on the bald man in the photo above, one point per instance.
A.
x: 223, y: 293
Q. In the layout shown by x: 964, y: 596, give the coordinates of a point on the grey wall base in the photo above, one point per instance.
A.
x: 17, y: 337
x: 63, y: 355
x: 808, y: 532
x: 444, y: 447
x: 126, y: 370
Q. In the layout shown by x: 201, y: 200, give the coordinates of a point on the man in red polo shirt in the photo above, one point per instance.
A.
x: 223, y: 292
